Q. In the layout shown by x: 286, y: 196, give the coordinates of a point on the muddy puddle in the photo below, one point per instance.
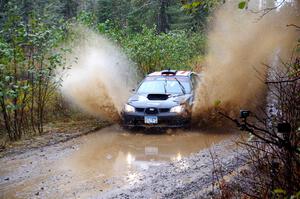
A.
x: 113, y: 152
x: 89, y: 165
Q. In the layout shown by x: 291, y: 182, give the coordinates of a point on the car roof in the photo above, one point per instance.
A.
x: 170, y: 73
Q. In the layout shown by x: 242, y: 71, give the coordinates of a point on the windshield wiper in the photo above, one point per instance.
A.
x: 181, y: 86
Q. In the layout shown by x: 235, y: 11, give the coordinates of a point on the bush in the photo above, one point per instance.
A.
x: 27, y: 68
x: 152, y: 51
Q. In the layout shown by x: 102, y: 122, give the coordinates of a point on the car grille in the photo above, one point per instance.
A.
x: 139, y: 109
x: 164, y: 110
x: 151, y: 110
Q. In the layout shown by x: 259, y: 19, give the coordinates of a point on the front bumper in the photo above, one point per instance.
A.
x: 165, y: 120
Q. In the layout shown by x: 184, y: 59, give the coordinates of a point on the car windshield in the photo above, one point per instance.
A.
x: 162, y: 86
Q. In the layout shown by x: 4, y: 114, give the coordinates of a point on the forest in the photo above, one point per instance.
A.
x: 247, y: 60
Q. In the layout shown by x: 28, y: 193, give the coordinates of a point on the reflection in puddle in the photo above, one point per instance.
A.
x: 177, y: 157
x: 130, y: 159
x: 151, y: 150
x: 120, y: 154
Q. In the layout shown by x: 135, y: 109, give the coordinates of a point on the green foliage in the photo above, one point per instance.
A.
x: 86, y: 18
x: 281, y: 193
x: 242, y: 4
x: 192, y: 6
x: 217, y: 103
x: 199, y: 11
x: 152, y: 51
x: 27, y: 65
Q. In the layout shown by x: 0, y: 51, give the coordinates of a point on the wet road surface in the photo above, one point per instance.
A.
x: 91, y: 164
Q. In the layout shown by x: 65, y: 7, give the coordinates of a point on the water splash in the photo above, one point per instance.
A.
x: 239, y: 42
x: 101, y: 76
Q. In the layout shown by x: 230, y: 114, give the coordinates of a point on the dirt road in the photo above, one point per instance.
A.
x: 113, y: 163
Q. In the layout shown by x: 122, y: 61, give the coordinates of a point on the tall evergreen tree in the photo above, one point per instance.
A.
x: 70, y: 8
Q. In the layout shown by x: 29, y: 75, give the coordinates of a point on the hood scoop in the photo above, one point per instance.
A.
x: 157, y: 96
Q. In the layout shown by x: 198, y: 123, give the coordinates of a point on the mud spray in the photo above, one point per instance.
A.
x: 99, y: 77
x: 239, y: 42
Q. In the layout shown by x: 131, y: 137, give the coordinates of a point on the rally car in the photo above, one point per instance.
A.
x: 163, y: 99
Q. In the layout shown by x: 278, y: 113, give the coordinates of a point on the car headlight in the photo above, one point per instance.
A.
x: 177, y: 109
x: 129, y: 108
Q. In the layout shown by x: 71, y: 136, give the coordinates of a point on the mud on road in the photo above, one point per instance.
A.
x: 113, y: 163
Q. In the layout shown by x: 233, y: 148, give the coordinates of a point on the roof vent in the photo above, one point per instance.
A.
x: 168, y: 72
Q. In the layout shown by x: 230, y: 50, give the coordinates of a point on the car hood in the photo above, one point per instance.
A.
x: 157, y: 100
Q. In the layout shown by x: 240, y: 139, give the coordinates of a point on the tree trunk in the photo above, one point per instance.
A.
x: 6, y: 118
x: 162, y: 21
